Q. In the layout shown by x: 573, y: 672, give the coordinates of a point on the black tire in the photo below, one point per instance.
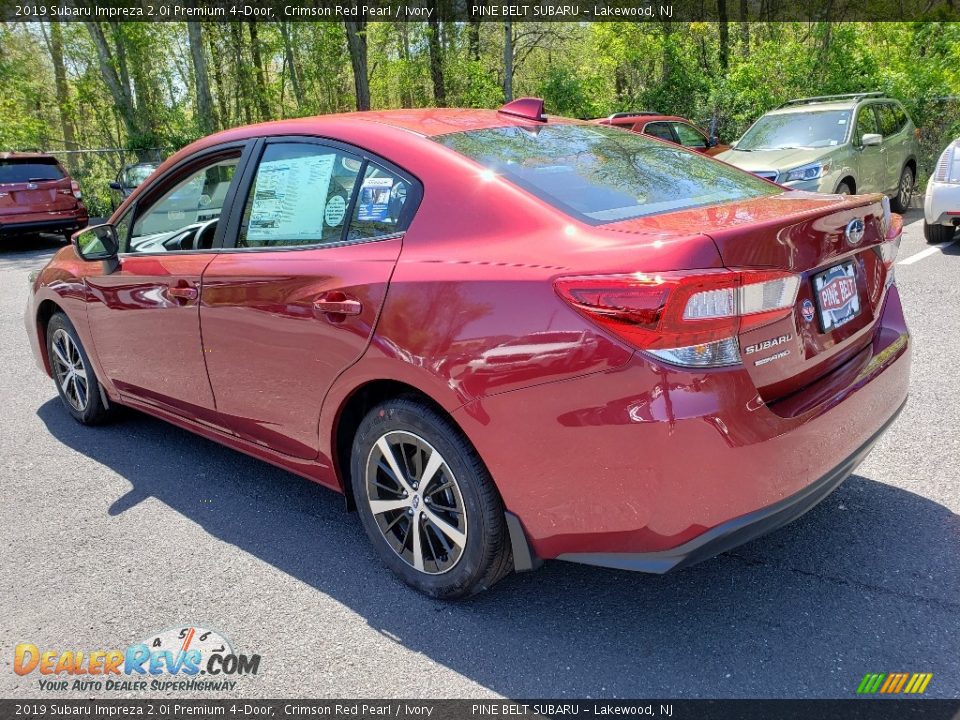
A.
x: 843, y: 189
x: 900, y: 202
x: 938, y: 233
x: 485, y: 555
x: 81, y: 398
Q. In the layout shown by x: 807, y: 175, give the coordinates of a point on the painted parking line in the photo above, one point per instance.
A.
x: 927, y: 253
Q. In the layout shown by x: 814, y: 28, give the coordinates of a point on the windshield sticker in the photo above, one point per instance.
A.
x: 282, y: 203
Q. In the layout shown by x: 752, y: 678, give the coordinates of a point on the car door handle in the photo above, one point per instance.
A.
x: 182, y: 295
x: 337, y: 303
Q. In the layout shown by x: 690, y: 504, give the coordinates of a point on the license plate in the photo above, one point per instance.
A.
x: 837, y: 297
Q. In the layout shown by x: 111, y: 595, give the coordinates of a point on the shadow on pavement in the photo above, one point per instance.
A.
x: 866, y: 582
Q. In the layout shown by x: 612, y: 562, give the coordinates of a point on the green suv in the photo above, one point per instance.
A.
x: 843, y: 144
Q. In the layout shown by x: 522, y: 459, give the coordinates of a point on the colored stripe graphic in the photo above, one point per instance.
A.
x: 894, y: 683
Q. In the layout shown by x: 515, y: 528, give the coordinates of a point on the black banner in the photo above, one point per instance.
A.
x: 175, y: 709
x: 475, y: 10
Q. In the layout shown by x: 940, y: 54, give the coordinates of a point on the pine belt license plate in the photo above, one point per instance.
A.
x: 837, y: 296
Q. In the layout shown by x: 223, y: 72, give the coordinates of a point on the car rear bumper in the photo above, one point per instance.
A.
x: 740, y: 530
x: 941, y: 204
x: 652, y: 467
x: 51, y: 222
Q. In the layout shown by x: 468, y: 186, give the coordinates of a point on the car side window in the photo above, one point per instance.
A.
x: 381, y: 207
x: 866, y: 124
x: 659, y: 130
x: 185, y: 217
x: 889, y: 125
x: 300, y: 196
x: 689, y: 136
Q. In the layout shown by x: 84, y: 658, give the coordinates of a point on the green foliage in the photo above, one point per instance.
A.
x: 580, y: 69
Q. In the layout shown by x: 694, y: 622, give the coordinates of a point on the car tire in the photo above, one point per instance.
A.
x: 938, y: 233
x: 843, y: 189
x: 900, y: 202
x: 446, y: 553
x: 76, y: 382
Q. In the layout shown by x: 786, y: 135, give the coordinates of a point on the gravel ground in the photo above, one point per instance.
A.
x: 111, y: 534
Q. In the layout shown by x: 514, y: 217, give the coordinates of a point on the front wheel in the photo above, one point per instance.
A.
x: 73, y: 374
x: 938, y: 233
x: 901, y: 201
x: 843, y: 189
x: 427, y: 502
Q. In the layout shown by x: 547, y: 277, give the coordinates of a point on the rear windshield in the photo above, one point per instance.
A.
x: 32, y: 170
x: 806, y: 129
x: 600, y: 174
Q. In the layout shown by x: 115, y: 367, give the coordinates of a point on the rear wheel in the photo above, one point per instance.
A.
x: 427, y: 502
x: 73, y: 374
x: 938, y: 233
x: 901, y: 201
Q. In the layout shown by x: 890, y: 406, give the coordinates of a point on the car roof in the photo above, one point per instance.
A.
x: 817, y: 107
x: 426, y: 122
x: 26, y: 156
x: 641, y: 118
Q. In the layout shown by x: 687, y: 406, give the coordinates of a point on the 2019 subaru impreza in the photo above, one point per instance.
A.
x: 505, y: 337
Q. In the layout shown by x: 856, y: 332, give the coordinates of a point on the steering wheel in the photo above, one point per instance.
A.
x: 201, y: 241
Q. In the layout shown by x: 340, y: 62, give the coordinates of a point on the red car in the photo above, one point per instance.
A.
x: 671, y: 128
x: 505, y: 337
x: 37, y: 195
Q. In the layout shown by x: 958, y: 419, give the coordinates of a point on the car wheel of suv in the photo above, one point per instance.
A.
x: 901, y: 202
x: 427, y: 502
x: 73, y: 374
x: 938, y: 233
x: 843, y: 189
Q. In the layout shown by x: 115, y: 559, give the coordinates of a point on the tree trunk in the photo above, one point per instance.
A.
x: 744, y: 30
x: 242, y: 87
x: 667, y: 68
x: 508, y: 61
x: 55, y: 45
x: 357, y: 44
x: 120, y: 91
x: 473, y: 36
x: 292, y: 64
x: 206, y: 116
x: 436, y: 57
x: 261, y: 76
x: 218, y: 81
x: 724, y: 35
x: 403, y: 49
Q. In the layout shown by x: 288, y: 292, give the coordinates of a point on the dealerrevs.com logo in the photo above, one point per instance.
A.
x: 178, y: 659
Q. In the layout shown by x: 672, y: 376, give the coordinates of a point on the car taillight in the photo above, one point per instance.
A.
x: 75, y: 188
x: 892, y: 226
x: 689, y: 318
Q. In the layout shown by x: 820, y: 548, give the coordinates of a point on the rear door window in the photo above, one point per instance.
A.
x: 32, y: 170
x: 599, y: 174
x: 690, y: 137
x: 660, y: 130
x: 889, y: 121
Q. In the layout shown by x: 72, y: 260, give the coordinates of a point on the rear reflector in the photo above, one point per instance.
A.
x: 689, y: 318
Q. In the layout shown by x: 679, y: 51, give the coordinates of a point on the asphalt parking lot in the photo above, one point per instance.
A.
x: 113, y: 533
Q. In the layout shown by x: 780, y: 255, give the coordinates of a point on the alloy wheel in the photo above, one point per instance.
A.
x: 416, y: 502
x: 906, y: 188
x: 70, y: 370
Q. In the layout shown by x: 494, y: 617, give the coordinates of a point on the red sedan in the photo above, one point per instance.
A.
x: 671, y: 128
x: 505, y: 337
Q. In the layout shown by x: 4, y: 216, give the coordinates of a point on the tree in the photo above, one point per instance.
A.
x: 436, y: 57
x: 357, y: 44
x: 508, y: 61
x: 54, y: 42
x: 205, y: 114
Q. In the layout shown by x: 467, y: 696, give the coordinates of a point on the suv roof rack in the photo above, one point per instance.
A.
x: 827, y: 98
x: 636, y: 113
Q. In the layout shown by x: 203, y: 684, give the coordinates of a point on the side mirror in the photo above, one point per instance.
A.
x: 97, y: 243
x: 870, y: 139
x: 116, y: 186
x: 714, y: 141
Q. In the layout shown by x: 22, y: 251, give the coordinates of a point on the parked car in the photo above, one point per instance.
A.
x: 38, y: 195
x: 129, y: 179
x: 698, y: 381
x: 666, y: 127
x: 844, y: 144
x: 941, y: 205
